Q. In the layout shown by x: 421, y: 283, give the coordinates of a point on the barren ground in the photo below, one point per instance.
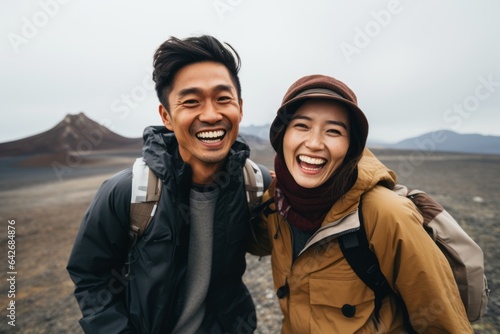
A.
x: 47, y: 213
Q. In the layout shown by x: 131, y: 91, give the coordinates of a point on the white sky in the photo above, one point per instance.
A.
x: 416, y: 66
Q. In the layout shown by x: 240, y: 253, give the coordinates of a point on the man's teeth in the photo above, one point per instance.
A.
x: 211, y: 135
x: 312, y: 161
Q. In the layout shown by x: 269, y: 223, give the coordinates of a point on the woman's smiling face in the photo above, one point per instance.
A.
x: 316, y: 141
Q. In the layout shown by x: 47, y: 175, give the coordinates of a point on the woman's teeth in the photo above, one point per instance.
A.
x: 312, y: 161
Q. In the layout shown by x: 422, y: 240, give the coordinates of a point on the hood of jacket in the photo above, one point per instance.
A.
x: 371, y: 172
x: 161, y: 153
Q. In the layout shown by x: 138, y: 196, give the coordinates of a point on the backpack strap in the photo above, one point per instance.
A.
x: 146, y: 189
x: 254, y: 182
x: 363, y: 261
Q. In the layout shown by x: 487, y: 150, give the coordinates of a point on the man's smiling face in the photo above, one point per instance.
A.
x: 205, y: 112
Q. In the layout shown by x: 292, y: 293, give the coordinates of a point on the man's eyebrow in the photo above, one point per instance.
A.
x: 195, y: 90
x: 224, y: 88
x: 333, y: 122
x: 187, y: 91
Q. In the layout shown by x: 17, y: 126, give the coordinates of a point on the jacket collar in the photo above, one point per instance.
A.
x: 343, y: 216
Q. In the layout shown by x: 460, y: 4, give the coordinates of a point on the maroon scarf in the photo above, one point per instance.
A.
x: 304, y: 208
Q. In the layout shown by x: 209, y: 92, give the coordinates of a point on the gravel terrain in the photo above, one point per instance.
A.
x: 48, y: 213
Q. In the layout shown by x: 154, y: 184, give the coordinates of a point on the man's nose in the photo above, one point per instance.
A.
x: 210, y: 113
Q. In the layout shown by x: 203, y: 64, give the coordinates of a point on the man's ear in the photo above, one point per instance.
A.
x: 241, y: 109
x: 165, y: 117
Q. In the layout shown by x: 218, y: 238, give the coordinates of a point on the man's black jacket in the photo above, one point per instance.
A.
x: 135, y: 292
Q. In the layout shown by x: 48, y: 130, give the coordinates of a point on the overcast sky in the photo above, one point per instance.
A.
x: 416, y: 66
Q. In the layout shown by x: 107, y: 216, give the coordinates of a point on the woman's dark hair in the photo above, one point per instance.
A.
x: 176, y: 53
x: 345, y: 176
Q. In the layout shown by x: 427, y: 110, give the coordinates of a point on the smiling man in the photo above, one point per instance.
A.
x: 205, y: 113
x: 184, y: 274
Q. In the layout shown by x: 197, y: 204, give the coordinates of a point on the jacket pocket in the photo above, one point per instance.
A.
x: 158, y: 248
x: 166, y: 237
x: 339, y: 306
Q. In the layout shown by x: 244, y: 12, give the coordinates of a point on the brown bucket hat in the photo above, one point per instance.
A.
x: 322, y: 87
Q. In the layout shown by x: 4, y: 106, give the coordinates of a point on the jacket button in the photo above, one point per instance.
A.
x: 283, y: 291
x: 348, y: 310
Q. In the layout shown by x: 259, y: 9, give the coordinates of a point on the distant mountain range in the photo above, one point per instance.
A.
x: 78, y: 133
x: 439, y: 141
x: 449, y: 141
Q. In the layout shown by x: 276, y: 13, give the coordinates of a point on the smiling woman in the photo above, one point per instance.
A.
x: 324, y: 179
x: 316, y: 142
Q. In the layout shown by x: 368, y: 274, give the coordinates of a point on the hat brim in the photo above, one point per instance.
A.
x: 289, y: 108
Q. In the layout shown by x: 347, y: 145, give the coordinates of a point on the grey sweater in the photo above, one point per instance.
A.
x: 202, y: 207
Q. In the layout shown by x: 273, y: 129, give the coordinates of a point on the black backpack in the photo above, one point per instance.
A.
x: 463, y: 254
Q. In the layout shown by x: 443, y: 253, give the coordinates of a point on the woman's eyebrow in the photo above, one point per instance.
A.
x: 307, y: 118
x: 342, y: 124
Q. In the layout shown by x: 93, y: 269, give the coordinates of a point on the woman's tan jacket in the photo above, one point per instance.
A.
x: 319, y: 291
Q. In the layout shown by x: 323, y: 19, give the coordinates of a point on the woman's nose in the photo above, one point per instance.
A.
x: 314, y: 141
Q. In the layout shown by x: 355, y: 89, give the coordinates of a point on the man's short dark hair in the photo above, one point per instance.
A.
x: 176, y: 53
